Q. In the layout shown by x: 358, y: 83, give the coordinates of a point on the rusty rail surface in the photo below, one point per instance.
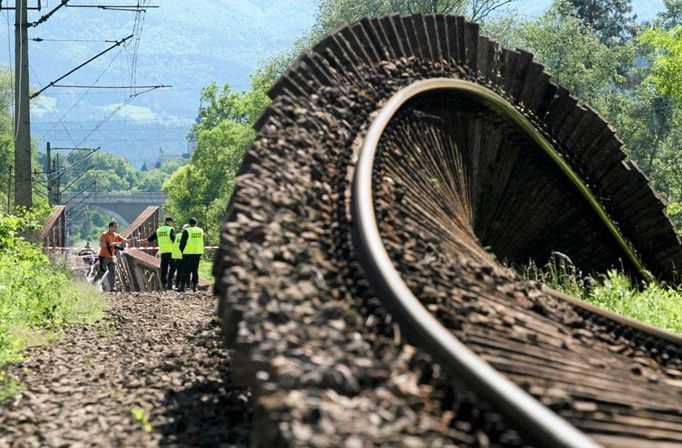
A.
x: 53, y: 233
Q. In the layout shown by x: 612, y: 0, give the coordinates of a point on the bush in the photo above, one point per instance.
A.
x: 35, y: 295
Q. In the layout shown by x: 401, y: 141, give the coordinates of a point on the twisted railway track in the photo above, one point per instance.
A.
x: 398, y: 162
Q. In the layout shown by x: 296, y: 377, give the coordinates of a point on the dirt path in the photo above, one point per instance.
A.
x: 154, y: 374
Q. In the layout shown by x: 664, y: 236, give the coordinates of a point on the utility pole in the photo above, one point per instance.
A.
x: 56, y: 185
x: 50, y: 174
x: 22, y: 113
x: 9, y: 188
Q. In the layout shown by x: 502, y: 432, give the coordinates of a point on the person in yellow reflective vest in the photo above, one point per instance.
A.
x: 192, y: 247
x: 176, y: 263
x: 165, y: 236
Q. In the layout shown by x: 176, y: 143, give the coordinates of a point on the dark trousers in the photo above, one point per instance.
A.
x: 107, y: 267
x: 175, y: 270
x: 166, y: 260
x: 190, y: 267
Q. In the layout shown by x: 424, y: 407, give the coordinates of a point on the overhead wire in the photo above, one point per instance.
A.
x: 49, y: 104
x: 86, y: 91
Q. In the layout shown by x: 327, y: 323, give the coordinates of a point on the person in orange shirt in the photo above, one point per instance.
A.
x: 109, y: 242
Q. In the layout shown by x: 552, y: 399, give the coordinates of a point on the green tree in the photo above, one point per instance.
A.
x: 671, y: 17
x: 609, y: 18
x: 223, y: 133
x: 666, y: 72
x: 570, y: 50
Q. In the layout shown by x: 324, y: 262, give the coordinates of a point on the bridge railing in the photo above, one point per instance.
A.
x: 138, y: 270
x: 95, y: 197
x: 53, y: 233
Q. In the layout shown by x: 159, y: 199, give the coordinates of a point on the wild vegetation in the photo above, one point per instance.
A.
x: 651, y: 303
x: 36, y: 296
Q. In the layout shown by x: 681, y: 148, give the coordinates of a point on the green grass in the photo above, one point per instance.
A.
x: 37, y: 297
x: 205, y: 268
x: 653, y: 304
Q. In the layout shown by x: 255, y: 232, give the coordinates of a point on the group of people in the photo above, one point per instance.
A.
x: 180, y: 256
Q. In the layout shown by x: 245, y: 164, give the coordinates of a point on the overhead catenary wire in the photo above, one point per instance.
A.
x: 85, y: 86
x: 118, y: 42
x: 129, y: 8
x: 43, y: 39
x: 44, y: 18
x: 86, y: 92
x: 71, y: 166
x: 49, y: 105
x: 70, y: 184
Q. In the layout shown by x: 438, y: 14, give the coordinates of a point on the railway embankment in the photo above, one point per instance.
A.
x: 153, y: 371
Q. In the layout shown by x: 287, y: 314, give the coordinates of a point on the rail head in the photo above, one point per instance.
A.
x: 539, y: 422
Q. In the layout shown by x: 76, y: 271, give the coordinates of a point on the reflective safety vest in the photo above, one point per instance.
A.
x: 164, y: 239
x: 176, y: 253
x: 195, y: 242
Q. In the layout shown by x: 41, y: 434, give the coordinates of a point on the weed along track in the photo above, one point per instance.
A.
x: 360, y: 272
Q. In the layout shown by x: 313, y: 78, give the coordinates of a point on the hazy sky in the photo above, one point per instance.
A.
x: 184, y: 43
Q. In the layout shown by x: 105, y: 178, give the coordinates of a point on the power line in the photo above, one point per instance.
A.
x: 49, y: 14
x: 130, y: 8
x: 50, y: 106
x: 68, y: 168
x: 118, y: 42
x: 42, y: 39
x: 81, y: 86
x: 86, y: 92
x: 169, y: 128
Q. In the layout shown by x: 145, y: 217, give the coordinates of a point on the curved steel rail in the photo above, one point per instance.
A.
x: 540, y: 423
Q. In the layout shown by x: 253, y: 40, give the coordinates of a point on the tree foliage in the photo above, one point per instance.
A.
x: 608, y: 18
x: 570, y: 50
x: 666, y: 72
x: 223, y: 134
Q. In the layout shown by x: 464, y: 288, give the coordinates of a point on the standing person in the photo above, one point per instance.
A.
x: 165, y: 235
x: 176, y: 264
x: 192, y: 247
x: 109, y: 242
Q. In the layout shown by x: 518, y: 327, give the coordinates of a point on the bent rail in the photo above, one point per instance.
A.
x: 447, y: 350
x: 497, y: 159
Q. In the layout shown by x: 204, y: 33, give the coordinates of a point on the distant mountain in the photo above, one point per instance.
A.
x: 183, y: 43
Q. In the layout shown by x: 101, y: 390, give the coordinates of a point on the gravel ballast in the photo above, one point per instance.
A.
x: 154, y: 372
